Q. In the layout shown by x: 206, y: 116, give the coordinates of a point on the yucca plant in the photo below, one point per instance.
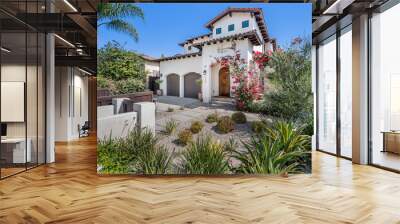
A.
x: 204, y: 156
x: 170, y: 126
x: 279, y: 150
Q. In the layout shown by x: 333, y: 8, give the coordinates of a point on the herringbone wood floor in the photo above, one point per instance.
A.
x: 70, y: 191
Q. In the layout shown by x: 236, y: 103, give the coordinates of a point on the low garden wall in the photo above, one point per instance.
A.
x: 117, y: 121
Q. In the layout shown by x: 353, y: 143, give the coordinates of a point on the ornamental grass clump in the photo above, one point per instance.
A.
x: 185, y: 136
x: 239, y: 117
x: 225, y: 124
x: 204, y: 156
x: 138, y: 153
x: 196, y: 127
x: 170, y: 127
x: 156, y: 160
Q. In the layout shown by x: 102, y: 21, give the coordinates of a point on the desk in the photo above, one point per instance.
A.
x: 13, y: 150
x: 391, y: 141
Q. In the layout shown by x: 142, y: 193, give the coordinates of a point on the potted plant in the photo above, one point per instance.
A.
x: 159, y: 91
x: 199, y: 95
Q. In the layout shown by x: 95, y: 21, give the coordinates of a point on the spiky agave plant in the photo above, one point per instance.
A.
x: 204, y: 156
x: 279, y: 150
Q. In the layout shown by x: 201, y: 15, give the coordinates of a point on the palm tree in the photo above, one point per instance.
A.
x: 114, y: 16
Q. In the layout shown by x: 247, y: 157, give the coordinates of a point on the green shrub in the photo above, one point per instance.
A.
x: 115, y: 62
x: 170, y: 126
x: 185, y: 136
x: 258, y: 126
x: 113, y: 157
x: 129, y: 85
x: 255, y: 107
x: 211, y: 118
x: 239, y: 117
x: 204, y: 156
x: 196, y: 127
x: 290, y: 96
x: 280, y: 150
x: 225, y: 124
x: 170, y: 109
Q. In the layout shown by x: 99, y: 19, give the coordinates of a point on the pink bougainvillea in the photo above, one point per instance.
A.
x: 247, y: 78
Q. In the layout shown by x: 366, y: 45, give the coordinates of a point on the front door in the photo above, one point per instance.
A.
x: 224, y: 82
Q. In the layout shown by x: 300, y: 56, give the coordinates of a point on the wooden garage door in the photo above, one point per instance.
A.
x: 173, y: 85
x: 191, y: 87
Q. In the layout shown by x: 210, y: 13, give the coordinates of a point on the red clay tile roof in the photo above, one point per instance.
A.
x: 190, y: 40
x: 180, y: 56
x: 148, y: 58
x: 252, y: 35
x: 257, y: 12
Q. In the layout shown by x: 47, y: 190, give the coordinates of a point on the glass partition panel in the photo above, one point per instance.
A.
x: 346, y: 92
x: 41, y: 79
x: 15, y: 150
x: 32, y: 98
x: 385, y: 89
x: 327, y: 95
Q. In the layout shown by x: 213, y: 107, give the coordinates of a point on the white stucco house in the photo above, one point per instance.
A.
x: 235, y: 29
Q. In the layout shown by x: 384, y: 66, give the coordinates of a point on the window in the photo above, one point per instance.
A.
x: 231, y: 27
x: 385, y: 89
x: 218, y: 31
x: 327, y: 95
x: 345, y: 83
x: 245, y: 24
x: 190, y: 48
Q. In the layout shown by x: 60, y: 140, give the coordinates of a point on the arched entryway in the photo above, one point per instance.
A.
x: 173, y: 85
x: 191, y: 86
x: 224, y: 82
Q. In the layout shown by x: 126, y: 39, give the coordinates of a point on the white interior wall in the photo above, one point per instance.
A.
x: 70, y: 83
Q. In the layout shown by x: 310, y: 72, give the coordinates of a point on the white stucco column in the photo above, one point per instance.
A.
x: 206, y: 83
x: 181, y: 85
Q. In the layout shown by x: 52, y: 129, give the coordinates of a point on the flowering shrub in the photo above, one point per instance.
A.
x: 247, y: 84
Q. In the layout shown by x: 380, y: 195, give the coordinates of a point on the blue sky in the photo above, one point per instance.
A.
x: 166, y: 25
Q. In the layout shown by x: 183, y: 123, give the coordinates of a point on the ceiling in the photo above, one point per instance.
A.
x: 74, y: 22
x: 330, y: 15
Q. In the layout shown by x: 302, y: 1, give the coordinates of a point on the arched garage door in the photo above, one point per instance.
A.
x: 173, y: 85
x: 191, y: 87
